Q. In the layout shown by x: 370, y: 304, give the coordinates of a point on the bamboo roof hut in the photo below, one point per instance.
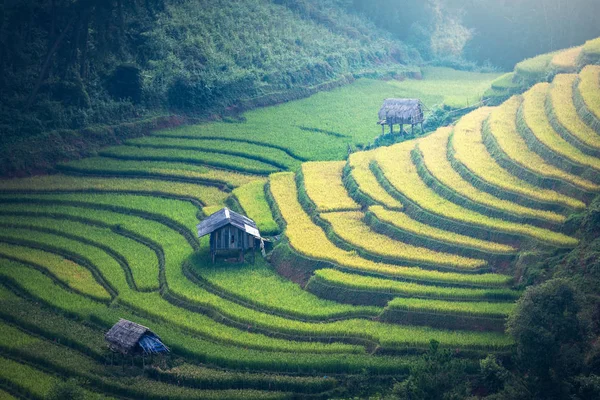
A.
x: 129, y: 338
x: 401, y: 112
x: 230, y: 231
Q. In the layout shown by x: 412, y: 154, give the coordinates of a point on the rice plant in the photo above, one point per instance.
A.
x: 324, y: 186
x: 534, y: 116
x: 395, y: 162
x: 70, y: 273
x: 566, y: 60
x: 320, y: 127
x: 503, y: 129
x: 470, y: 151
x: 506, y: 82
x: 534, y: 69
x: 387, y: 335
x: 590, y: 54
x: 57, y: 183
x: 588, y: 88
x: 344, y: 280
x: 404, y: 222
x: 252, y: 199
x: 268, y: 155
x: 368, y: 184
x: 259, y: 284
x: 77, y: 365
x: 350, y: 227
x: 157, y: 169
x: 194, y: 346
x: 310, y: 240
x: 141, y: 261
x: 231, y: 162
x: 26, y: 379
x: 433, y: 149
x: 563, y: 109
x: 482, y: 309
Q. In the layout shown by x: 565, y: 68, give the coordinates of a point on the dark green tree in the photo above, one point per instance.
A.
x: 438, y: 375
x: 549, y: 337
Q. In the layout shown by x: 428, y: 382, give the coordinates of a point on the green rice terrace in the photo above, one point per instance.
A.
x: 372, y: 252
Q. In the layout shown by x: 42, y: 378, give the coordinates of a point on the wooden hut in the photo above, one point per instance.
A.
x: 129, y: 338
x: 401, y: 112
x: 230, y: 232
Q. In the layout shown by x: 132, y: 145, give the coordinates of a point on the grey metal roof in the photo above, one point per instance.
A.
x: 401, y: 111
x: 227, y: 217
x: 124, y: 335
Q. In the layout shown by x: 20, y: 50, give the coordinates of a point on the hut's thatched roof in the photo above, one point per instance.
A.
x: 401, y: 111
x: 227, y: 217
x: 125, y: 337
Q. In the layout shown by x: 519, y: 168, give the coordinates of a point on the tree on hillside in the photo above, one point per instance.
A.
x: 550, y: 338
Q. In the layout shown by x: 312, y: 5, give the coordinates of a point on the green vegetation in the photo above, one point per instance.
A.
x: 158, y: 169
x: 321, y: 127
x: 452, y: 307
x: 397, y: 267
x: 68, y: 272
x: 258, y: 284
x: 333, y: 278
x: 268, y: 155
x: 232, y: 162
x: 252, y: 199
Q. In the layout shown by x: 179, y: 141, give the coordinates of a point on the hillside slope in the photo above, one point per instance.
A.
x: 77, y: 64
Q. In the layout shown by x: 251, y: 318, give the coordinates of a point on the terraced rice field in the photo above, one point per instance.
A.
x: 373, y: 256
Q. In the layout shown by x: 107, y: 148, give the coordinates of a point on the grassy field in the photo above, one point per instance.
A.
x: 322, y: 126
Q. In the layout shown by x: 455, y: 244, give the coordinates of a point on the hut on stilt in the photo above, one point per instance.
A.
x: 129, y: 338
x: 230, y: 232
x: 401, y: 112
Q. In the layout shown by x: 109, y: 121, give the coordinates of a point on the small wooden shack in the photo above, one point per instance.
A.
x: 401, y: 112
x: 230, y: 232
x: 129, y: 338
